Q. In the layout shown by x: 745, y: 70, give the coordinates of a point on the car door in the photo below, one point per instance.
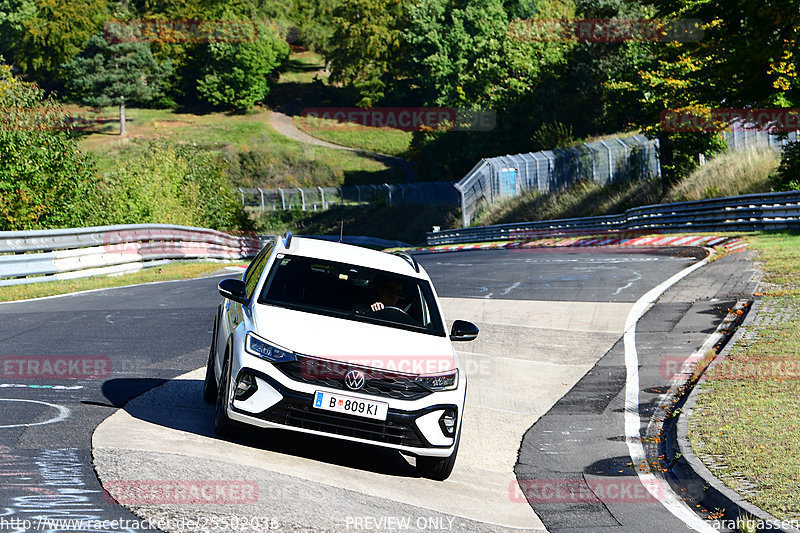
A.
x: 232, y: 312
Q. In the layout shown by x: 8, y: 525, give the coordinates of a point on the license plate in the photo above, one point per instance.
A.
x: 351, y: 406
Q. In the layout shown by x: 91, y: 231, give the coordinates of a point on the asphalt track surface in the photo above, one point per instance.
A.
x: 153, y: 333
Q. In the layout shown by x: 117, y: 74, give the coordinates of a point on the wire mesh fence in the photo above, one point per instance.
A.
x: 321, y: 198
x: 636, y: 157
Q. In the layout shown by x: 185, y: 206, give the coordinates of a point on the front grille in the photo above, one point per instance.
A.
x: 391, y: 431
x: 377, y: 382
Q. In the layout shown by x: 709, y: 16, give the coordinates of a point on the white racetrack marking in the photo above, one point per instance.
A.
x: 660, y: 490
x: 63, y: 413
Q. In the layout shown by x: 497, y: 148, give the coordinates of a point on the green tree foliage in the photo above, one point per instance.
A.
x: 746, y: 56
x: 45, y: 182
x: 237, y: 75
x: 457, y: 51
x: 787, y: 178
x: 368, y: 45
x: 314, y: 22
x: 46, y: 37
x: 13, y: 16
x: 114, y: 70
x: 172, y: 185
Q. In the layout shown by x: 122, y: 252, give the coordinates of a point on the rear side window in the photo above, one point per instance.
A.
x: 253, y: 273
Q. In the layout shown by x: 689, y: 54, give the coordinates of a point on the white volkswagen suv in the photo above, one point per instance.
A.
x: 342, y: 341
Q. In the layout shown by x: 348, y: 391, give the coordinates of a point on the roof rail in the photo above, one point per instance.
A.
x: 287, y: 239
x: 407, y: 256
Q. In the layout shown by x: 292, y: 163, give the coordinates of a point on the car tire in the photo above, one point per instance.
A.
x: 223, y: 426
x: 210, y: 383
x: 438, y: 468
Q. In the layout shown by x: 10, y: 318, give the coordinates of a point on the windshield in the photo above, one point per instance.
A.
x: 352, y: 292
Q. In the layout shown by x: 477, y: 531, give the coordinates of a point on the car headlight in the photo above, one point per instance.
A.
x: 440, y: 382
x: 260, y: 348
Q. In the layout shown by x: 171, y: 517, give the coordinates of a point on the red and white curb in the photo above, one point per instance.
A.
x: 730, y: 244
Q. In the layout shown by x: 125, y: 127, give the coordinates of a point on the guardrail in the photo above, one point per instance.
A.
x: 750, y: 212
x: 47, y: 255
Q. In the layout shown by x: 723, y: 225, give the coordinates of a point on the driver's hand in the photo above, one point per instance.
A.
x: 377, y: 306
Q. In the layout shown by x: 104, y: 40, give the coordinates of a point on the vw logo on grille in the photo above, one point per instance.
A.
x: 354, y: 379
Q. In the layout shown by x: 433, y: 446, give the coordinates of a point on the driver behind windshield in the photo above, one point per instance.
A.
x: 389, y: 292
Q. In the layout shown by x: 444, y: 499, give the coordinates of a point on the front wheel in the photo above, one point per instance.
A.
x: 438, y: 468
x: 223, y: 426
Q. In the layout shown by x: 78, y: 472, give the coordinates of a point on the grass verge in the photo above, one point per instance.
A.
x: 380, y: 140
x: 260, y: 156
x: 747, y: 416
x: 171, y: 271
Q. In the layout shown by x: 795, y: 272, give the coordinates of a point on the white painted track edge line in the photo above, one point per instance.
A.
x: 63, y: 295
x: 660, y: 490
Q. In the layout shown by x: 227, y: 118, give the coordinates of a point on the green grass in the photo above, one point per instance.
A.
x: 748, y: 412
x: 581, y: 200
x: 171, y: 271
x: 729, y: 174
x: 381, y: 140
x: 287, y: 162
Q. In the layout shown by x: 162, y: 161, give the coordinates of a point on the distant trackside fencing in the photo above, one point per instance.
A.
x: 322, y: 198
x: 750, y: 212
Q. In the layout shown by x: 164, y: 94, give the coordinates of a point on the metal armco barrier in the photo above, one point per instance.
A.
x: 47, y: 255
x: 750, y: 212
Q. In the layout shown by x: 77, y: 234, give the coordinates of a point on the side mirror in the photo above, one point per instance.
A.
x: 233, y: 289
x: 463, y: 331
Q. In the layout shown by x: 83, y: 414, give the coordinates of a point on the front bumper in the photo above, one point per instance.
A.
x: 280, y: 402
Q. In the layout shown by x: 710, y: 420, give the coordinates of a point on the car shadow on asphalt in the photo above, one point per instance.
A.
x: 178, y: 404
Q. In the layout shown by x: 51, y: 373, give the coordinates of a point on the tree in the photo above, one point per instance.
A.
x: 45, y: 181
x: 45, y: 36
x: 746, y: 57
x: 368, y: 45
x: 237, y: 74
x: 114, y: 70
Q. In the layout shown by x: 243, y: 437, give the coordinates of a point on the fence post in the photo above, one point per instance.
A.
x: 241, y: 191
x: 627, y: 161
x: 302, y: 198
x: 283, y: 199
x: 389, y: 188
x: 358, y: 190
x: 322, y: 193
x: 610, y: 161
x: 262, y: 199
x: 594, y: 162
x: 577, y: 161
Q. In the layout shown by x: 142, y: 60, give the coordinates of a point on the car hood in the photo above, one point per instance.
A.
x: 354, y: 342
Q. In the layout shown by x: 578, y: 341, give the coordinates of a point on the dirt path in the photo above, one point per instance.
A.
x: 284, y: 125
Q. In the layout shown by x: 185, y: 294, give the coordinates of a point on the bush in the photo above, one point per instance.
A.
x: 787, y: 178
x: 45, y: 181
x: 172, y: 185
x: 236, y: 75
